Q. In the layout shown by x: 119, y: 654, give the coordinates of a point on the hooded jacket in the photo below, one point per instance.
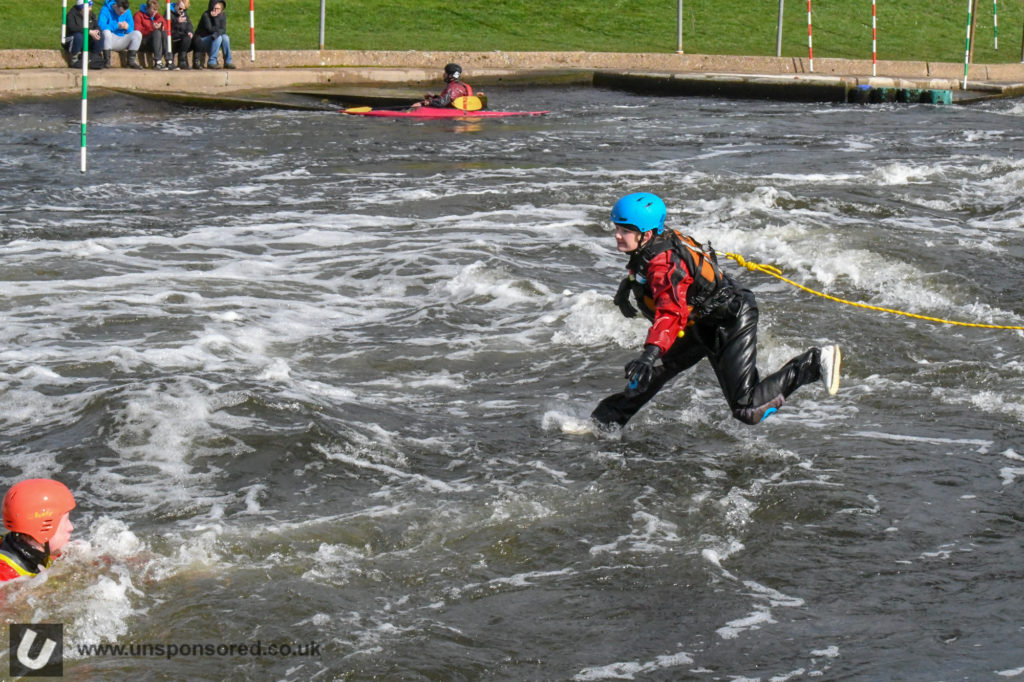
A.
x: 181, y: 23
x: 210, y: 25
x: 147, y: 24
x: 74, y: 21
x: 109, y: 19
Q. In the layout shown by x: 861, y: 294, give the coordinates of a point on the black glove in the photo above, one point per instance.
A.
x: 622, y: 297
x: 639, y: 372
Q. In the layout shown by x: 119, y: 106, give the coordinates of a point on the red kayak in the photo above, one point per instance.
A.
x: 437, y: 112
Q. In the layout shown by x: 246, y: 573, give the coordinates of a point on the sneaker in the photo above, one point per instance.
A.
x: 229, y: 65
x: 212, y: 65
x: 159, y: 66
x: 829, y: 360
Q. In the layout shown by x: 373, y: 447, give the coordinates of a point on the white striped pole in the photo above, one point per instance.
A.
x: 995, y: 21
x: 778, y: 32
x: 85, y: 74
x: 967, y: 50
x: 810, y: 44
x: 679, y: 26
x: 252, y: 31
x: 63, y: 21
x: 874, y: 41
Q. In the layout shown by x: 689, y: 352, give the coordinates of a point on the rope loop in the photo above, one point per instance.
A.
x: 777, y: 273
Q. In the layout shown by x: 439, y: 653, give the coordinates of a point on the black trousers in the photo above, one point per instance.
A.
x: 181, y: 47
x: 155, y: 42
x: 729, y: 341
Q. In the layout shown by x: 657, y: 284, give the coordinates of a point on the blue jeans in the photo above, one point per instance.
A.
x: 214, y: 45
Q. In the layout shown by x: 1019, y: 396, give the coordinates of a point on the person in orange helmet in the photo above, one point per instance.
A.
x: 37, y: 513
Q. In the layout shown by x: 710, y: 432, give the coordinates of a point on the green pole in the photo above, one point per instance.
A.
x: 967, y: 49
x: 995, y: 24
x: 85, y: 73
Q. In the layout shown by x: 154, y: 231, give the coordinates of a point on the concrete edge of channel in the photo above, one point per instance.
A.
x: 44, y: 72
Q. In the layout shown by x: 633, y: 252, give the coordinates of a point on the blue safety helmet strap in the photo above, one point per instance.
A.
x: 642, y: 211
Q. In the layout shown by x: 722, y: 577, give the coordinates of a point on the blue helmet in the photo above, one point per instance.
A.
x: 642, y: 211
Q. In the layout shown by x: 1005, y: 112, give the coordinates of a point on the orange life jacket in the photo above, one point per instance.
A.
x: 700, y: 262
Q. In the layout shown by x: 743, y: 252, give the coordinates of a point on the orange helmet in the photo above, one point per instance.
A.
x: 35, y: 506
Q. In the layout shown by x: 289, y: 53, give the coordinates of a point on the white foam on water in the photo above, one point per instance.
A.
x: 903, y: 173
x: 97, y: 588
x: 1011, y: 672
x: 1010, y: 474
x: 554, y: 420
x: 594, y: 320
x: 650, y: 534
x: 754, y: 620
x: 992, y: 402
x: 628, y: 670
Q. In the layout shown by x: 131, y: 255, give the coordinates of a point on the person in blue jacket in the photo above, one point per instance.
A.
x: 119, y: 32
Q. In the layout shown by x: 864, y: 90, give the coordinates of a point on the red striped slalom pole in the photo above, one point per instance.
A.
x: 167, y: 57
x: 874, y: 41
x: 252, y: 31
x: 810, y: 43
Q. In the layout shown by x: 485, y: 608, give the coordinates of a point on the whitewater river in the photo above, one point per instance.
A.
x: 314, y: 381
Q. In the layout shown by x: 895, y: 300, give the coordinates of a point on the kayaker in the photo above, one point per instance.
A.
x: 696, y: 311
x: 454, y: 89
x: 37, y: 512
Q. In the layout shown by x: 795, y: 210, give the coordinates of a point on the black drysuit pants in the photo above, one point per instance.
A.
x: 728, y: 339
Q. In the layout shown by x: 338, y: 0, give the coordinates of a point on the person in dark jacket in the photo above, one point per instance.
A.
x: 182, y: 33
x: 154, y: 30
x: 453, y: 89
x: 212, y: 37
x: 74, y: 40
x: 696, y: 311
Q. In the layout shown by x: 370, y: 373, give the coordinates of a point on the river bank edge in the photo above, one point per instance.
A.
x: 30, y: 73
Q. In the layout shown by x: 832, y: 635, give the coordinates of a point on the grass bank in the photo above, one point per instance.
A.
x: 931, y: 30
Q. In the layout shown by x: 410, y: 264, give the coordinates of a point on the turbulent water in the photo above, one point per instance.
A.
x: 318, y: 382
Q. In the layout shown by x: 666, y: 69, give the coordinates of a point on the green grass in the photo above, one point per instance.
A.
x: 932, y: 30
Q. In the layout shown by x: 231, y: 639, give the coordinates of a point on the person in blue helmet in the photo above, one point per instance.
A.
x: 696, y: 311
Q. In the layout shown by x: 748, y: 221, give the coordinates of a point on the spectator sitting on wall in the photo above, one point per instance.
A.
x: 119, y: 32
x: 182, y: 33
x: 212, y: 37
x: 74, y: 39
x: 153, y: 28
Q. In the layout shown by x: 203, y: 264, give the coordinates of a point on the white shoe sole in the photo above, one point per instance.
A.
x: 831, y: 360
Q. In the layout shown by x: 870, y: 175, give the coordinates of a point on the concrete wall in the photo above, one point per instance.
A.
x: 43, y: 72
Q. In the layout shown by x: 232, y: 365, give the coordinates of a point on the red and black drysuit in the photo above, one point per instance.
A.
x: 451, y: 92
x: 720, y: 322
x: 19, y: 558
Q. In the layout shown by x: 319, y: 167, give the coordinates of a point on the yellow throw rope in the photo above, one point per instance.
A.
x: 775, y: 272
